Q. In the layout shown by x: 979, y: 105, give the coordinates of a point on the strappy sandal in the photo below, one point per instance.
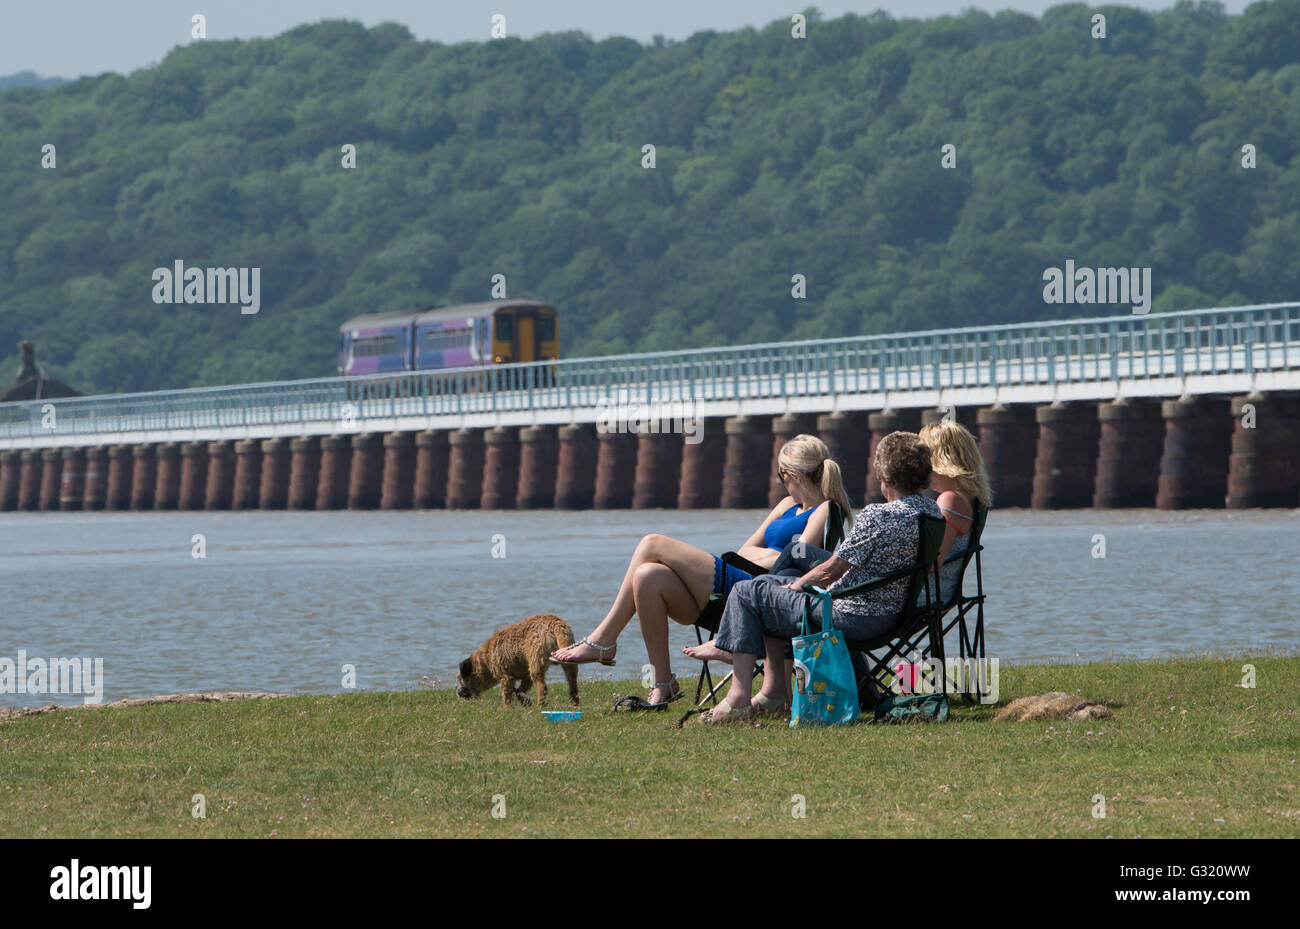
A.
x: 608, y: 662
x: 637, y: 704
x: 713, y: 717
x: 675, y: 692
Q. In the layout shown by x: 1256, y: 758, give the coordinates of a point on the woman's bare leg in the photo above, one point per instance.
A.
x: 742, y: 681
x: 776, y: 672
x: 692, y: 565
x: 660, y: 594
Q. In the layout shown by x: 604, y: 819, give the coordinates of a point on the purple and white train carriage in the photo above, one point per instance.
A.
x: 470, y: 334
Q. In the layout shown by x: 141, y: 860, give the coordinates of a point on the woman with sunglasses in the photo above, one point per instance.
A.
x: 668, y: 578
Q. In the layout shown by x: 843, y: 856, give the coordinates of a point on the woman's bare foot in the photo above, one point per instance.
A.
x: 707, y: 652
x: 728, y: 712
x: 770, y: 704
x: 585, y: 652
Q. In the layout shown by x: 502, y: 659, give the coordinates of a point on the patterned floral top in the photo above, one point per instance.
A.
x: 883, y: 538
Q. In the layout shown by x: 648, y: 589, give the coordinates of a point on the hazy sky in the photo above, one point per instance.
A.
x: 70, y: 38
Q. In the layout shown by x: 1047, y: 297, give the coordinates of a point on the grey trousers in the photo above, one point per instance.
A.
x: 763, y: 607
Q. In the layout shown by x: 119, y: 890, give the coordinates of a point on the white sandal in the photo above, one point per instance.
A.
x: 608, y: 662
x: 674, y: 689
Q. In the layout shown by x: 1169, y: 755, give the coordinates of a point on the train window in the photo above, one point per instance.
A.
x: 444, y: 339
x: 546, y: 328
x: 505, y: 328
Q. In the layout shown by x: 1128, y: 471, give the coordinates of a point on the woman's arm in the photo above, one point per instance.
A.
x: 953, y: 501
x: 754, y: 550
x: 857, y: 545
x: 825, y: 574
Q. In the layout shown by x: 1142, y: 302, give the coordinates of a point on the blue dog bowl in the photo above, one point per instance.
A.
x: 561, y: 716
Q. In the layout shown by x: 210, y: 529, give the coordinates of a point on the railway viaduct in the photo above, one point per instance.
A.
x: 1179, y: 410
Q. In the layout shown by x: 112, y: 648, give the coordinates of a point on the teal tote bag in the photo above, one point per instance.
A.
x: 826, y: 688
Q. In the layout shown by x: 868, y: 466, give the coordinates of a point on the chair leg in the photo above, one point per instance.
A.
x: 713, y: 691
x: 972, y: 646
x: 705, y: 678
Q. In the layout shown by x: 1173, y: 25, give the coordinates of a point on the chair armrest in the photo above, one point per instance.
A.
x: 744, y: 564
x: 957, y: 556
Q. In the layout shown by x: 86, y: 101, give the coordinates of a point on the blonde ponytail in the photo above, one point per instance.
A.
x: 809, y: 455
x: 833, y: 488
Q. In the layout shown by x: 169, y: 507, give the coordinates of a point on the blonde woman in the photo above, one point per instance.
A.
x: 667, y: 578
x: 957, y: 473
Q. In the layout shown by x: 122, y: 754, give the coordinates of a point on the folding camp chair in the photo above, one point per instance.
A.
x: 710, y: 616
x: 969, y: 616
x: 919, y: 630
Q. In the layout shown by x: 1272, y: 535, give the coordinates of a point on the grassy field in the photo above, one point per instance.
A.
x: 1189, y: 752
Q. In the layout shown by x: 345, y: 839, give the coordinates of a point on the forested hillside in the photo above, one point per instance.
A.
x: 775, y: 156
x: 28, y: 79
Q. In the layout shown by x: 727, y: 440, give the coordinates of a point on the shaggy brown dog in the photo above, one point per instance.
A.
x: 518, y: 653
x: 1056, y: 705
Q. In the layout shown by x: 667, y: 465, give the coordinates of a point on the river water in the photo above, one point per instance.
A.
x: 282, y: 601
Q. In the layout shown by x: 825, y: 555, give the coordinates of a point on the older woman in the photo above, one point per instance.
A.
x: 671, y: 579
x: 763, y: 614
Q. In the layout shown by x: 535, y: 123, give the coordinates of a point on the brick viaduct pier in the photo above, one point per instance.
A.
x: 1184, y: 410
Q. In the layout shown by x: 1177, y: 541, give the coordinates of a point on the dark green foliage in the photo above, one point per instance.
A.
x: 774, y: 157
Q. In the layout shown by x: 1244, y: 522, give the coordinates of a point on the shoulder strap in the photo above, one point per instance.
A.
x: 828, y: 614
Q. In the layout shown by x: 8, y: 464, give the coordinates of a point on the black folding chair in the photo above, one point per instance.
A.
x: 920, y: 628
x: 711, y: 615
x: 968, y: 619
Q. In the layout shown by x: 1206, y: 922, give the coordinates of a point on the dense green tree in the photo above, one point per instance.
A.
x: 774, y: 156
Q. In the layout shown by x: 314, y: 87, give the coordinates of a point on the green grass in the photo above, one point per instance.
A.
x: 1187, y: 747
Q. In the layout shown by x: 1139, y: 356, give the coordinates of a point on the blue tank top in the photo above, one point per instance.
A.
x: 787, y: 527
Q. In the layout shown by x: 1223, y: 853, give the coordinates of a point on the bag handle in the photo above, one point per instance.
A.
x: 828, y: 615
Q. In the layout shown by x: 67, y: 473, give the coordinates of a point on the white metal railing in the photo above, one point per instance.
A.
x: 1213, y: 341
